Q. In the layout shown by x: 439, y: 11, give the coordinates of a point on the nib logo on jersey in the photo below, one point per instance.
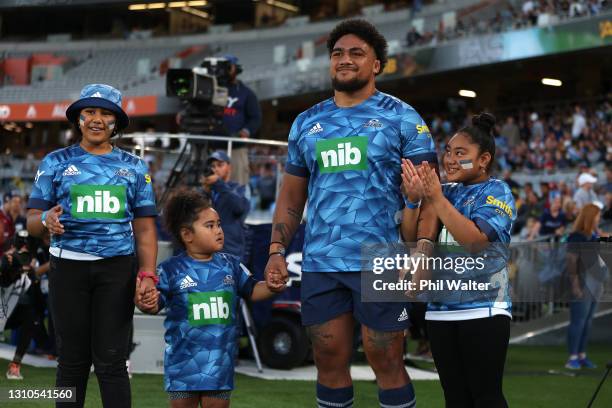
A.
x: 210, y: 308
x: 91, y: 201
x: 347, y: 153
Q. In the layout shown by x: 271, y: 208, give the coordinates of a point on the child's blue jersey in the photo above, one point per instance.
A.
x: 100, y: 196
x: 352, y: 157
x: 202, y: 304
x: 490, y: 205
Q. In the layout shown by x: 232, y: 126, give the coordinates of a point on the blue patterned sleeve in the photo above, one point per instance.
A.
x: 296, y: 165
x: 43, y: 194
x: 163, y: 287
x: 144, y: 199
x: 245, y: 280
x: 495, y: 211
x: 416, y: 141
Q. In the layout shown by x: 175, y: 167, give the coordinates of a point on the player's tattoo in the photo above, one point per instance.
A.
x: 319, y: 335
x: 293, y: 213
x: 283, y: 230
x: 382, y: 340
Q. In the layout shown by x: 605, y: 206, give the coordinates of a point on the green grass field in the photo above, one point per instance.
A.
x: 528, y: 384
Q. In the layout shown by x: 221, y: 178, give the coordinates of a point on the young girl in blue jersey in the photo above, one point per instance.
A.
x: 469, y: 337
x: 200, y: 289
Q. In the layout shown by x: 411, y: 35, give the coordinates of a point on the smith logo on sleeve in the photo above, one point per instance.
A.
x: 90, y: 201
x: 210, y: 308
x: 348, y: 153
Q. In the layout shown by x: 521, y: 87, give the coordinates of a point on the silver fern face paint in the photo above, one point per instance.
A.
x: 81, y: 120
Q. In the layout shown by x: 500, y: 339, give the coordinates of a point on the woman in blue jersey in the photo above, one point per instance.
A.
x: 469, y: 330
x: 200, y: 289
x: 98, y: 204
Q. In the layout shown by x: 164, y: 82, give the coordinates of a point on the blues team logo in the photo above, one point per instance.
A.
x: 123, y: 173
x: 228, y: 280
x: 373, y: 123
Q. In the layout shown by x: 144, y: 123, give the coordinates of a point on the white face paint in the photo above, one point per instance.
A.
x: 466, y: 164
x: 82, y: 121
x: 111, y: 125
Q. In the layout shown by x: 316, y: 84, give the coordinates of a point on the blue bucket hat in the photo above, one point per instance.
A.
x: 99, y: 96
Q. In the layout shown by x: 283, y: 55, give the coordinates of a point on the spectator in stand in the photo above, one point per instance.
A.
x: 586, y: 277
x: 8, y: 214
x: 532, y: 208
x: 608, y: 186
x: 266, y: 186
x: 413, y: 37
x: 529, y: 231
x: 514, y: 186
x: 537, y: 127
x: 511, y: 132
x: 545, y: 194
x: 585, y: 194
x: 553, y: 220
x: 579, y: 122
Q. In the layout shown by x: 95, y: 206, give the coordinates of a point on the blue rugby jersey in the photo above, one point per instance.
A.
x: 490, y: 205
x: 352, y: 157
x: 202, y: 304
x: 100, y: 196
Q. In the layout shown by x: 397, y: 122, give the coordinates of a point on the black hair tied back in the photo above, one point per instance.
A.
x: 481, y: 133
x: 484, y: 121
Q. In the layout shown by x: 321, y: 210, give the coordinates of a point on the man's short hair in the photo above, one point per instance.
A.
x: 364, y: 30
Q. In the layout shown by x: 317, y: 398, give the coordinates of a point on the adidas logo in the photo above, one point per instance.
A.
x: 404, y: 316
x: 188, y: 283
x: 315, y: 129
x: 71, y: 171
x: 96, y: 95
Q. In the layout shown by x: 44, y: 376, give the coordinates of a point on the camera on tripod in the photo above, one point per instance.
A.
x: 204, y: 93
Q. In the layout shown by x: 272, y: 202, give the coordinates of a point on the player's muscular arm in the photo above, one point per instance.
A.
x: 287, y: 218
x: 289, y: 209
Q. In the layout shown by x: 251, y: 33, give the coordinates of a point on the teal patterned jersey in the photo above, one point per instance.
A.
x: 100, y: 195
x: 352, y: 157
x: 202, y: 304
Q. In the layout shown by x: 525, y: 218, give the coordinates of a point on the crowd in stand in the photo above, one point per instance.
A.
x: 532, y: 13
x: 549, y: 140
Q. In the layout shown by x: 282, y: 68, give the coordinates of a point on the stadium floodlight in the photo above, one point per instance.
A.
x: 283, y: 5
x: 152, y: 6
x: 551, y: 82
x: 137, y: 7
x: 174, y: 4
x: 196, y: 12
x: 197, y: 3
x: 467, y: 93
